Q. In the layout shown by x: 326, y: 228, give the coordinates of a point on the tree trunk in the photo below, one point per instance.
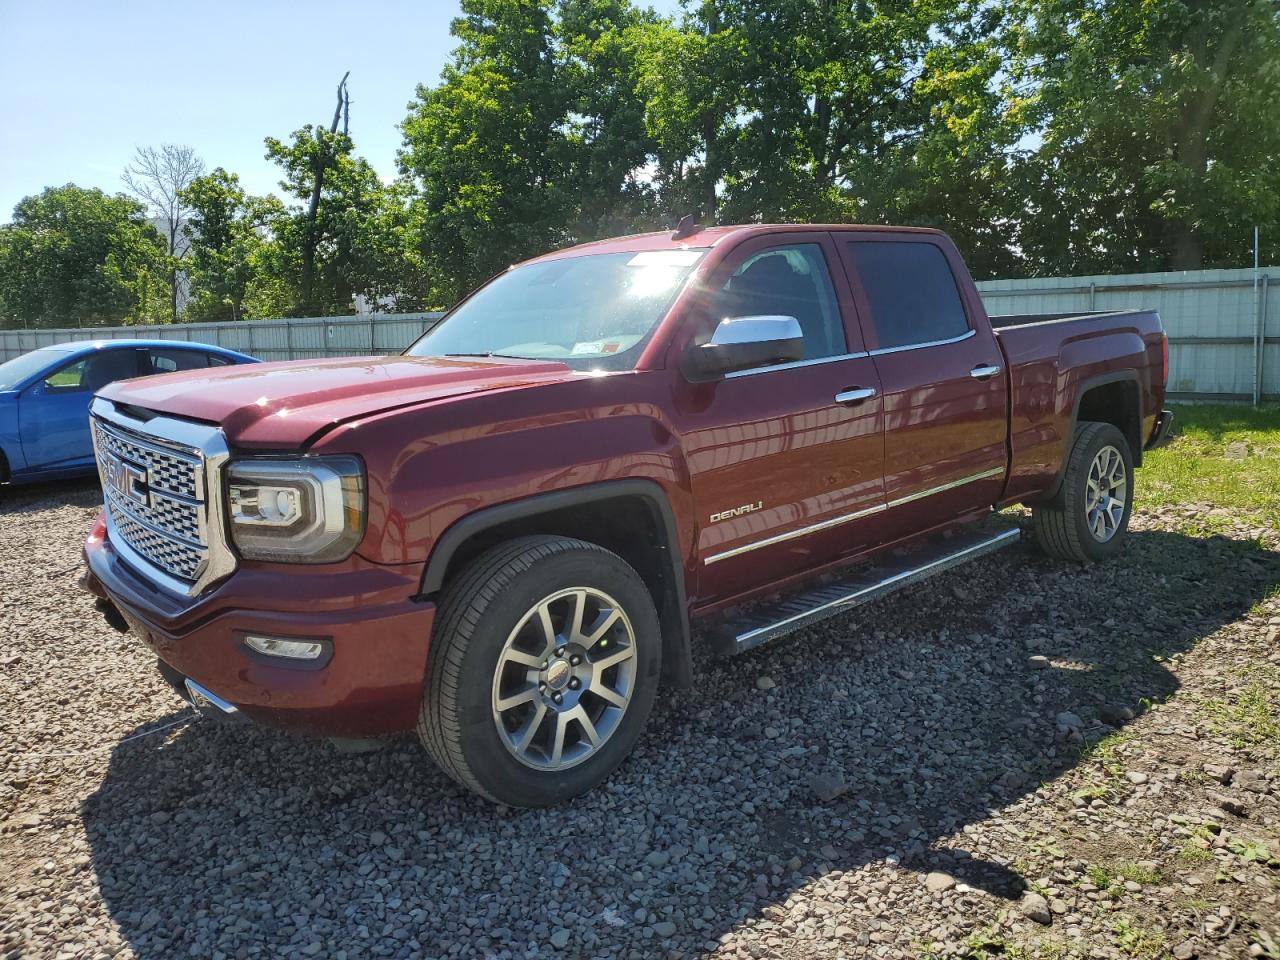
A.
x: 1192, y: 150
x: 173, y: 270
x: 309, y: 239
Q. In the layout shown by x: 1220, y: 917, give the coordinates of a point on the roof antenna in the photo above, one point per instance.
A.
x: 687, y: 227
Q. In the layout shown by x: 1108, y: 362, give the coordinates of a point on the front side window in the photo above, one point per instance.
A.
x: 789, y: 281
x: 590, y: 312
x: 95, y: 371
x: 911, y: 291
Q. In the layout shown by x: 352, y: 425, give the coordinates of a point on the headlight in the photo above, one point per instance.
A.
x: 304, y: 510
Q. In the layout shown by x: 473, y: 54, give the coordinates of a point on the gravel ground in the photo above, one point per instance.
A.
x: 1022, y: 759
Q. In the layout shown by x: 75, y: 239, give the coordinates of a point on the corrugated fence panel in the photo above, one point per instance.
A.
x: 299, y: 338
x: 1211, y: 317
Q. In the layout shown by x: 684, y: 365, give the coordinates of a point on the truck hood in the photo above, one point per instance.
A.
x: 283, y: 404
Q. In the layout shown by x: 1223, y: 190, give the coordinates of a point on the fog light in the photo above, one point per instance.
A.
x: 284, y: 647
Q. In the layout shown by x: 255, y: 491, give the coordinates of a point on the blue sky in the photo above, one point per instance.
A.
x: 88, y: 82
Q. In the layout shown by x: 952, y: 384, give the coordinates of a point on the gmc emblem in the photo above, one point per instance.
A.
x: 128, y: 479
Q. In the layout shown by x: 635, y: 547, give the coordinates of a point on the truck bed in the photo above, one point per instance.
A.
x: 1031, y: 319
x: 1056, y: 358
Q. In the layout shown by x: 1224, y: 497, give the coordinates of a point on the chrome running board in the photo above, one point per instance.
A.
x: 771, y: 620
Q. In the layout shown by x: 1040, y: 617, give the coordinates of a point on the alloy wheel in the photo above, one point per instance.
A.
x: 1106, y: 494
x: 564, y: 678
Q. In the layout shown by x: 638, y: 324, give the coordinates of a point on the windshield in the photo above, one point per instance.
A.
x: 591, y: 312
x: 13, y: 372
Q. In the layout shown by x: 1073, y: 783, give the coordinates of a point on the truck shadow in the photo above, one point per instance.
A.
x: 927, y: 706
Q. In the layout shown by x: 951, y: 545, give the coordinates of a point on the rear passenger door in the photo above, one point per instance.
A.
x: 940, y: 369
x: 785, y: 459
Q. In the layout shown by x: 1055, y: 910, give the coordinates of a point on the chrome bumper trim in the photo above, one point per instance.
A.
x: 202, y: 699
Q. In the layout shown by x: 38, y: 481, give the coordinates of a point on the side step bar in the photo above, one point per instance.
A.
x: 771, y: 620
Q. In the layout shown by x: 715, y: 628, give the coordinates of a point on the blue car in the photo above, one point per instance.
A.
x: 45, y: 394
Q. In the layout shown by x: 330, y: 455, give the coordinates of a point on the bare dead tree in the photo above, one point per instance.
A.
x: 157, y: 177
x: 319, y: 163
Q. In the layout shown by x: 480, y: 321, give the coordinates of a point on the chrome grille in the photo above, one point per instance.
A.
x: 163, y: 520
x: 175, y: 557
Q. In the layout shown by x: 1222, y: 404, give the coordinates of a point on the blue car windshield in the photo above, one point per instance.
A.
x: 13, y: 372
x: 593, y: 311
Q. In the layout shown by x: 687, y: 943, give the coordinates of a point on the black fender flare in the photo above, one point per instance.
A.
x: 1083, y: 387
x: 673, y: 609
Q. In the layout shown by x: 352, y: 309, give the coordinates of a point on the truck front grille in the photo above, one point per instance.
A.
x: 157, y: 499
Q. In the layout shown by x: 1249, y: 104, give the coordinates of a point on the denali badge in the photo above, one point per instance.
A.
x: 737, y: 511
x: 127, y: 478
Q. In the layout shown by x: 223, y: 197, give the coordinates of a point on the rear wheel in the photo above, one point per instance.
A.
x: 543, y: 669
x: 1089, y: 518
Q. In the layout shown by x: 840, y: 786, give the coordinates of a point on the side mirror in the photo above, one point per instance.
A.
x: 742, y: 343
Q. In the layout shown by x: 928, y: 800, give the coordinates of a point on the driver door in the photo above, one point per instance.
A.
x: 785, y: 460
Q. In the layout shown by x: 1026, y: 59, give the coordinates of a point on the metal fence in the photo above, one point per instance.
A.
x: 301, y: 338
x: 1224, y: 330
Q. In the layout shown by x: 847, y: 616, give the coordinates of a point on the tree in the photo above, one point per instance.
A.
x: 234, y: 257
x: 158, y: 177
x: 75, y: 257
x: 343, y: 242
x: 1160, y: 128
x: 488, y: 148
x: 534, y: 137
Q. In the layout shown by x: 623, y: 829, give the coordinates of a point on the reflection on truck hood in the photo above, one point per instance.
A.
x: 282, y: 404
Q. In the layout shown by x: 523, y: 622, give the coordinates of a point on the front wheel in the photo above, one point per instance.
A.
x: 543, y: 668
x: 1089, y: 518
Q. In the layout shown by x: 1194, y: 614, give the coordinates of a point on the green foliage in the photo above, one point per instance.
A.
x: 1160, y: 126
x: 488, y: 148
x: 236, y: 267
x: 350, y: 248
x: 1135, y: 940
x: 76, y: 257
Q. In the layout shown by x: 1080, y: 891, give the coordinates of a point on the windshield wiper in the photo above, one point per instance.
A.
x: 490, y: 353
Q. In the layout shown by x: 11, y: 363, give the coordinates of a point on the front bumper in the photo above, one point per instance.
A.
x: 1160, y: 435
x: 370, y: 685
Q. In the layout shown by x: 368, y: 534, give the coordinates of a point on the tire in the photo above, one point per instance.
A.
x: 490, y: 648
x: 1072, y: 526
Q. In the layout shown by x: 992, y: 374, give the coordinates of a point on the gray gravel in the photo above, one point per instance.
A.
x: 914, y: 780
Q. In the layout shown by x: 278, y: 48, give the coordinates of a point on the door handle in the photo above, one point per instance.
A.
x: 855, y: 394
x: 984, y: 371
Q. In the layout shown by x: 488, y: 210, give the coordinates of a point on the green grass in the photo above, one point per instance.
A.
x: 1193, y: 852
x: 1249, y: 716
x: 1135, y: 940
x: 1194, y: 468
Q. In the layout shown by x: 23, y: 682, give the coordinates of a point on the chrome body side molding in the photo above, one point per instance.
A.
x: 849, y: 517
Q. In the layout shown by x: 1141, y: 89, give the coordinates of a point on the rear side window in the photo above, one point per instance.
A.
x: 168, y: 361
x: 911, y: 290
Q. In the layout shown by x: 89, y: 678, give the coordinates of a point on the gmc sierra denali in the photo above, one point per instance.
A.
x: 501, y: 537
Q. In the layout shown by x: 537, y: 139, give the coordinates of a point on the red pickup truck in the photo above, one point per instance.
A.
x: 501, y: 537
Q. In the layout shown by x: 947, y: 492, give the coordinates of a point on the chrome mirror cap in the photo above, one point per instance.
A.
x: 762, y: 328
x: 744, y: 343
